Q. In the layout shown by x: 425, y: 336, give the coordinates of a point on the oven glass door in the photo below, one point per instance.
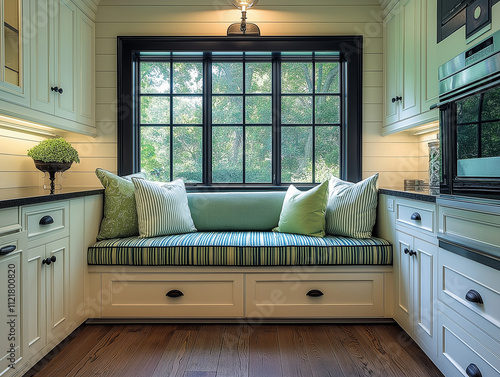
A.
x: 478, y: 135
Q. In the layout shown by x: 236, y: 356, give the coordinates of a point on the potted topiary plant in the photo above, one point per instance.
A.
x: 52, y: 156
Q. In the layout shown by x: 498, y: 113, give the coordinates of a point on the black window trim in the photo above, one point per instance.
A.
x: 349, y: 47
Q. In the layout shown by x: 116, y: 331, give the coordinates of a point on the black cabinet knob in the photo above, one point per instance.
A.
x: 56, y: 89
x: 396, y: 99
x: 174, y: 293
x: 406, y: 250
x: 314, y: 293
x: 412, y: 253
x: 474, y: 296
x: 49, y: 261
x: 7, y: 249
x: 46, y: 220
x: 473, y: 371
x: 416, y: 216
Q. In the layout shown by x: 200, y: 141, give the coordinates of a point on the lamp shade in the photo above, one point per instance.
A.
x: 244, y: 3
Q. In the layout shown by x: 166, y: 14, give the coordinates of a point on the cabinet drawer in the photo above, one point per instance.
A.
x: 145, y: 295
x: 45, y: 219
x: 416, y: 215
x: 459, y: 350
x: 461, y: 278
x: 343, y: 295
x: 9, y: 220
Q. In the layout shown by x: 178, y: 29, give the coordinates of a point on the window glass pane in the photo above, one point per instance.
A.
x: 327, y: 78
x: 327, y: 109
x: 296, y: 110
x: 258, y: 110
x: 188, y: 110
x: 155, y: 153
x: 467, y: 143
x: 258, y: 78
x: 468, y: 109
x: 188, y: 78
x: 227, y: 110
x: 258, y: 150
x: 187, y: 154
x: 296, y: 78
x: 155, y: 110
x: 327, y: 153
x: 227, y: 154
x: 296, y: 154
x: 490, y: 139
x: 491, y: 105
x: 155, y: 77
x: 227, y: 78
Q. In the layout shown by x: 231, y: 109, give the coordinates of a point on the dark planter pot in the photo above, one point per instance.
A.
x: 52, y: 168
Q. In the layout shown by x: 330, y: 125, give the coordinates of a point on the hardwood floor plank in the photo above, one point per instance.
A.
x: 206, y: 350
x: 322, y: 359
x: 264, y: 352
x: 234, y: 358
x: 143, y: 361
x: 176, y: 355
x: 293, y: 354
x: 66, y: 355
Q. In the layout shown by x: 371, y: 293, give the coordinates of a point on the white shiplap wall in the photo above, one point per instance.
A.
x: 395, y: 157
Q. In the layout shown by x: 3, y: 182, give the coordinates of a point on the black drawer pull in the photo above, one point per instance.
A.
x: 314, y: 293
x: 473, y: 371
x: 406, y: 250
x: 48, y: 261
x: 416, y: 216
x: 174, y: 293
x: 46, y: 220
x: 7, y: 249
x: 475, y: 297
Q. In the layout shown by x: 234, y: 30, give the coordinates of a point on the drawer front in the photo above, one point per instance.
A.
x: 9, y: 217
x: 343, y: 295
x: 45, y: 219
x: 471, y: 289
x: 197, y: 295
x: 460, y: 351
x: 417, y: 215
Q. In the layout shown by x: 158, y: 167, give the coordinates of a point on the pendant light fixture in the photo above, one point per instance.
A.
x: 243, y: 28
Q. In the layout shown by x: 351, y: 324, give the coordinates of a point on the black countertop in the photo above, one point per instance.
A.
x: 34, y: 195
x: 424, y: 195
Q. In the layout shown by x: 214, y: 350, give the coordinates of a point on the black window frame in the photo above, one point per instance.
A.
x: 349, y: 48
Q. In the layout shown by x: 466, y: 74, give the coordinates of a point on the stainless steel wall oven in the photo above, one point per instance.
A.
x: 469, y: 103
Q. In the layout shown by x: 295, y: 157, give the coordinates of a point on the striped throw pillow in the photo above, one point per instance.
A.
x: 162, y: 208
x: 351, y: 210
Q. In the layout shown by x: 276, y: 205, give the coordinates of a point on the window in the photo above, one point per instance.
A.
x: 219, y: 116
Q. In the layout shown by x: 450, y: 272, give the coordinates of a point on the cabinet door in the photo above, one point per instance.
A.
x: 10, y: 310
x: 42, y: 57
x: 86, y: 67
x: 391, y: 65
x: 409, y: 85
x: 36, y: 310
x: 65, y: 70
x: 403, y: 270
x: 57, y: 289
x: 424, y: 294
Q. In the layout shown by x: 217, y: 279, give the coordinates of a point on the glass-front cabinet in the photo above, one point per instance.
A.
x: 12, y: 52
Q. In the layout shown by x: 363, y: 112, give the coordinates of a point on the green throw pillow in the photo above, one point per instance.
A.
x: 304, y: 212
x: 352, y: 207
x: 120, y: 214
x: 162, y: 208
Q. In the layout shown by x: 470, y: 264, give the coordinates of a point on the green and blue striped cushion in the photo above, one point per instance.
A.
x: 240, y: 249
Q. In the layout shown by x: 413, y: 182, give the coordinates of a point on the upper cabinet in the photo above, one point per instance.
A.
x: 410, y: 67
x: 14, y: 53
x: 59, y: 79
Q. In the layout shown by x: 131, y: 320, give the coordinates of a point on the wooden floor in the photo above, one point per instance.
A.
x: 237, y: 350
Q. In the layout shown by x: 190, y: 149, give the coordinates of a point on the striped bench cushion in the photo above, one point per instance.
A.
x: 240, y: 249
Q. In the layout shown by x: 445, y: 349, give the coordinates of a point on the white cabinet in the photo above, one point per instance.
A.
x: 14, y: 52
x: 409, y: 64
x: 12, y: 260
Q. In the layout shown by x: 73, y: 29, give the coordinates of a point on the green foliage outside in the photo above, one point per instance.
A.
x: 241, y: 113
x: 54, y: 150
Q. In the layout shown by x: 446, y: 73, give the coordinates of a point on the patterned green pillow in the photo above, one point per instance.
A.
x: 162, y: 208
x: 352, y: 207
x: 304, y: 212
x: 120, y: 214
